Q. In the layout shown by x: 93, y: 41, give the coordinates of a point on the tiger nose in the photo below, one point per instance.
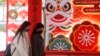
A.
x: 58, y: 1
x: 58, y: 8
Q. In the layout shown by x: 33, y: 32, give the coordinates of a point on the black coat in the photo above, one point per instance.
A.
x: 37, y: 43
x: 8, y: 50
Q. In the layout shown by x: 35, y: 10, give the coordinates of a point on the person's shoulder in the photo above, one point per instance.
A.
x: 35, y: 35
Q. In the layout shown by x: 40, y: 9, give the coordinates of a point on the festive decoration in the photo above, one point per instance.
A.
x: 23, y: 14
x: 60, y: 43
x: 95, y: 9
x: 58, y: 30
x: 85, y: 36
x: 58, y: 17
x: 12, y: 14
x: 23, y: 2
x: 13, y: 2
x: 10, y: 39
x: 13, y: 27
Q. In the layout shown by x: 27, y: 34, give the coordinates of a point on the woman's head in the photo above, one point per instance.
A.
x: 38, y: 28
x: 24, y: 27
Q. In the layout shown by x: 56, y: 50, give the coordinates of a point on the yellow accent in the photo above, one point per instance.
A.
x: 58, y: 0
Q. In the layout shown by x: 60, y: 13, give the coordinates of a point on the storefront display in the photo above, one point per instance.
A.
x: 76, y: 21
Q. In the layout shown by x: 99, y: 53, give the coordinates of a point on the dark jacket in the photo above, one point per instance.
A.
x: 37, y: 45
x: 8, y: 51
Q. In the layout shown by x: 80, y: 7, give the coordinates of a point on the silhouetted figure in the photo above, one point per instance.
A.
x: 37, y: 41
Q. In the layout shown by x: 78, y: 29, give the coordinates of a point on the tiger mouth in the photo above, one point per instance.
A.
x: 58, y: 18
x: 62, y: 20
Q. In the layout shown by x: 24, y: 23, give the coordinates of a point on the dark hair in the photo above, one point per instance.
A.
x: 22, y: 27
x: 37, y: 26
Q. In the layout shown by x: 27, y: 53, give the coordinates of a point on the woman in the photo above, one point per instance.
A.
x: 20, y: 46
x: 37, y: 42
